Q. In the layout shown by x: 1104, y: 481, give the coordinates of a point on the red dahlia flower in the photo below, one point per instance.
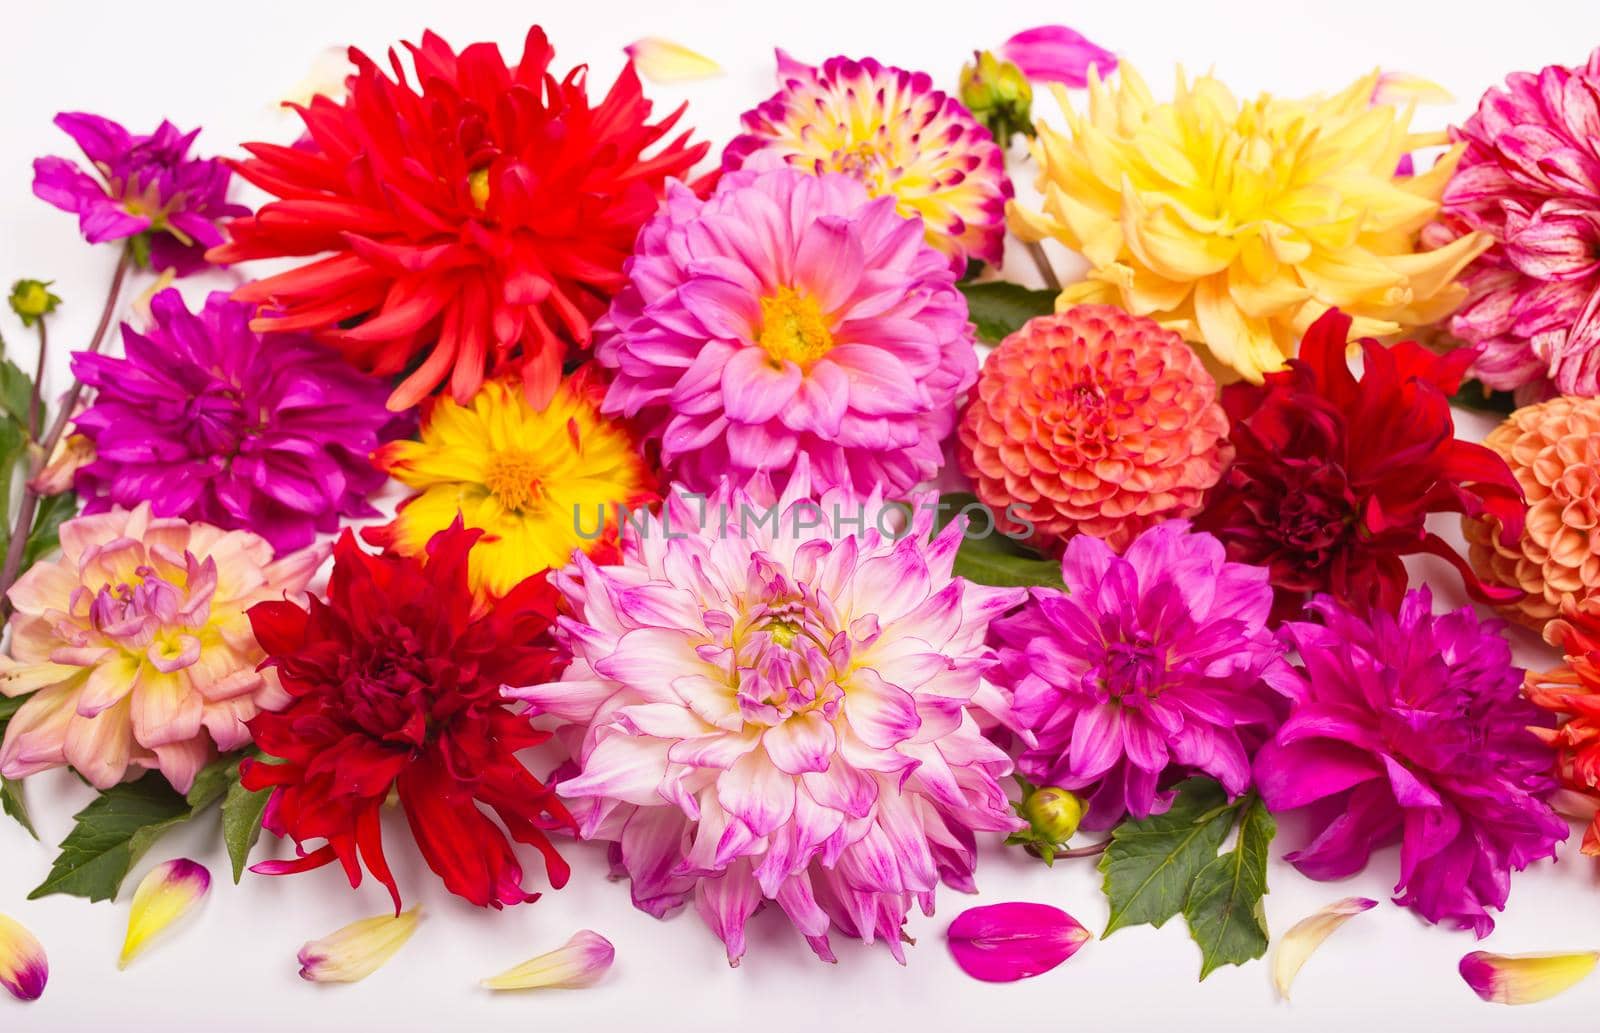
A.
x: 481, y: 217
x: 1334, y: 476
x: 395, y: 686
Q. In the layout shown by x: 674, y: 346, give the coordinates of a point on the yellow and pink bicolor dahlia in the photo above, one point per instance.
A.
x: 891, y: 130
x: 775, y: 705
x: 135, y: 647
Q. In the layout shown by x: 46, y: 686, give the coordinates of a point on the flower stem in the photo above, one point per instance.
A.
x: 30, y: 497
x: 1092, y: 850
x: 38, y: 378
x: 1042, y: 262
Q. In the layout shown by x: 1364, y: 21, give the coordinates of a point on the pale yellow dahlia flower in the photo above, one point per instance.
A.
x: 1237, y: 225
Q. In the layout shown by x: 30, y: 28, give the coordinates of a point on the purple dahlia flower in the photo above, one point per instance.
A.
x: 208, y: 421
x: 1151, y: 667
x: 1412, y: 728
x: 148, y: 184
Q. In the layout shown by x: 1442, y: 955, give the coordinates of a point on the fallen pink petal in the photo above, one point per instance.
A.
x: 24, y: 970
x: 1002, y: 943
x: 1055, y: 53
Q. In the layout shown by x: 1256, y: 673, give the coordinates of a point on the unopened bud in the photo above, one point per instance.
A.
x: 1053, y: 813
x: 31, y: 300
x: 998, y: 95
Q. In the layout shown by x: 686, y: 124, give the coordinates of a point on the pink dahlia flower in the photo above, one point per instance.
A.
x: 136, y: 650
x: 890, y: 130
x: 789, y: 316
x: 762, y: 709
x: 1150, y: 667
x: 1530, y: 178
x: 1412, y: 729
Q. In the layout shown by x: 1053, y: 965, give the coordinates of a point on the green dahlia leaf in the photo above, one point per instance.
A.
x: 1224, y: 907
x: 1151, y: 864
x: 999, y: 309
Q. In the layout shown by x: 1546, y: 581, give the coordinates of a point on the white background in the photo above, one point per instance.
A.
x: 233, y: 966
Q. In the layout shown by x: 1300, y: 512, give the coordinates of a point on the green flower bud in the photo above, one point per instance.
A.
x: 1053, y: 813
x: 31, y: 300
x: 998, y: 95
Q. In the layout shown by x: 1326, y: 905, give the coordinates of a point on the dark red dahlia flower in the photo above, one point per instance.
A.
x: 1334, y: 476
x: 481, y: 217
x: 395, y: 687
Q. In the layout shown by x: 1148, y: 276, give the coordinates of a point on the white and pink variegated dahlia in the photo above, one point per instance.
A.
x: 774, y: 704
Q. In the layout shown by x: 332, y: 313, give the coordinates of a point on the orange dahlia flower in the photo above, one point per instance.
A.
x: 1573, y: 690
x: 477, y: 221
x: 1553, y: 448
x: 1093, y: 420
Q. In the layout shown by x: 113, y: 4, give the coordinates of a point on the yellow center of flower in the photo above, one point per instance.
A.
x: 793, y: 328
x: 783, y: 632
x: 478, y: 187
x: 512, y: 478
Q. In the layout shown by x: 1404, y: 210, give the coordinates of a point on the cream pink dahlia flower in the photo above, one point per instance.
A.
x: 763, y: 708
x: 135, y: 646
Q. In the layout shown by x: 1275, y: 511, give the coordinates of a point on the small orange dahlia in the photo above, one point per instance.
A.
x: 1553, y: 448
x: 1096, y: 421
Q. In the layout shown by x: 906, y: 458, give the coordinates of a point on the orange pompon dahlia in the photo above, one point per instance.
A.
x: 542, y: 483
x: 1096, y: 421
x: 477, y: 221
x: 1553, y: 448
x: 1573, y: 690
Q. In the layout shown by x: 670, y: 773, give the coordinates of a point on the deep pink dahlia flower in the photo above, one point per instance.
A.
x: 207, y: 420
x: 1411, y: 728
x: 1530, y: 178
x: 789, y: 316
x: 762, y: 709
x: 1150, y: 667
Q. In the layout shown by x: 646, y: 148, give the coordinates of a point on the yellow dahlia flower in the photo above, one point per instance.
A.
x: 540, y: 482
x: 1238, y: 224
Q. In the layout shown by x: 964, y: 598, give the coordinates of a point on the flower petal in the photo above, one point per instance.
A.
x: 582, y: 961
x: 357, y: 950
x: 23, y: 967
x: 1306, y: 935
x: 1525, y: 978
x: 168, y: 893
x: 1055, y: 53
x: 1002, y: 943
x: 663, y: 61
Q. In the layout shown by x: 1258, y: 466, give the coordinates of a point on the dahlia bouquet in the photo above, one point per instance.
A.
x: 786, y: 521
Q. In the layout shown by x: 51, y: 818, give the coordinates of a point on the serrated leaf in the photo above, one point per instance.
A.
x: 1151, y: 864
x: 993, y: 558
x: 115, y: 830
x: 54, y: 510
x: 97, y: 853
x: 241, y: 823
x: 999, y: 309
x: 13, y: 804
x: 16, y: 389
x: 1224, y: 906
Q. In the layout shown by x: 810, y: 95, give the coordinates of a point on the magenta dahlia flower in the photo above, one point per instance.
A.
x: 208, y: 421
x: 1150, y: 667
x: 789, y: 316
x: 1412, y: 729
x: 889, y: 129
x: 148, y: 185
x: 1530, y: 179
x: 762, y: 709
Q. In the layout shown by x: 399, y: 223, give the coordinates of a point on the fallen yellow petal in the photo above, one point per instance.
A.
x: 1306, y: 935
x: 166, y: 895
x: 1399, y: 88
x: 24, y: 970
x: 663, y: 61
x: 1525, y: 978
x: 357, y: 950
x: 581, y: 962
